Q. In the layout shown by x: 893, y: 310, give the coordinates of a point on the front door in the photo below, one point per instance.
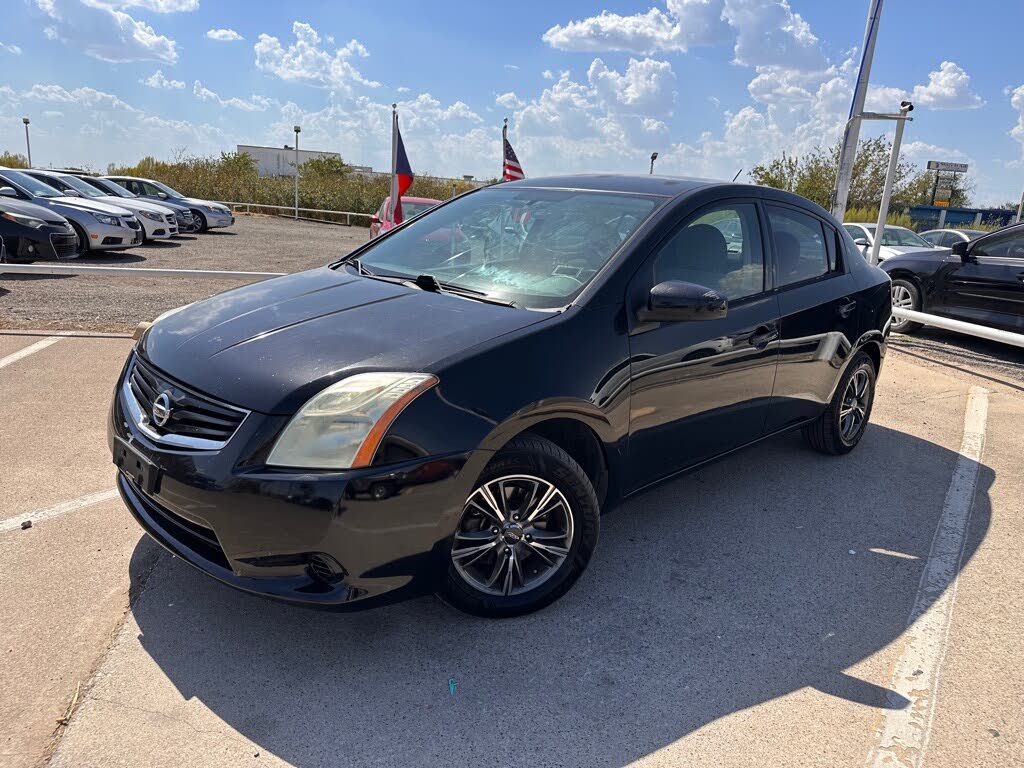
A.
x: 700, y: 388
x: 987, y: 286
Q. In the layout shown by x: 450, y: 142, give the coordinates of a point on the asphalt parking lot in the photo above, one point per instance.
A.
x: 753, y: 613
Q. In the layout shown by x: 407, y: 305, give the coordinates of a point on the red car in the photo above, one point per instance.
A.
x: 411, y: 207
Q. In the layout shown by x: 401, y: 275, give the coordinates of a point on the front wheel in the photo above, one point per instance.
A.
x: 527, y: 532
x: 200, y: 220
x: 83, y: 240
x: 841, y: 426
x: 905, y: 295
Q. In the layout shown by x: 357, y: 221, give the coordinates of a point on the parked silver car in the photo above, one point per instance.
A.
x: 158, y: 222
x: 208, y: 213
x: 99, y: 226
x: 186, y: 222
x: 947, y: 238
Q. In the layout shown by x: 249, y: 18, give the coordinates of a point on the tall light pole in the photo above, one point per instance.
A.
x: 1020, y: 209
x: 298, y: 130
x: 894, y: 158
x: 844, y: 176
x: 28, y: 145
x: 654, y: 156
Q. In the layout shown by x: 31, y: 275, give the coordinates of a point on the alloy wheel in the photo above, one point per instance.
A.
x: 856, y: 398
x: 902, y: 298
x: 515, y: 532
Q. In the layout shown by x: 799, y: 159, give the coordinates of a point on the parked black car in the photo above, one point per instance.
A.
x: 451, y: 406
x: 33, y: 233
x: 980, y: 281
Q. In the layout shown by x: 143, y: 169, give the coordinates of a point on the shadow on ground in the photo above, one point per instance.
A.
x: 711, y: 594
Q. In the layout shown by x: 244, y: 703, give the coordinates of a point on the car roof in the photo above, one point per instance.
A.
x: 644, y: 184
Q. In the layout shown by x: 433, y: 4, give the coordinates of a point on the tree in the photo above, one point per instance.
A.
x: 13, y: 160
x: 813, y: 176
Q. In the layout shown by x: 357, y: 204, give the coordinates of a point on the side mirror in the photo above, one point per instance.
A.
x: 862, y: 242
x: 675, y: 301
x: 960, y: 249
x: 162, y: 195
x: 8, y: 192
x: 71, y: 192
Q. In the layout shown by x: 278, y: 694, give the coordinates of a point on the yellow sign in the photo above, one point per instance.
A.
x: 942, y: 203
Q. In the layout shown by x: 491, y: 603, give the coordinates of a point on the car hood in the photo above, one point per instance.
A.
x: 272, y: 345
x: 134, y: 205
x: 93, y: 206
x: 899, y: 250
x: 30, y: 209
x: 196, y: 201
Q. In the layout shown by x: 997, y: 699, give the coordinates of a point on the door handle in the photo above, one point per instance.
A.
x: 846, y: 309
x: 763, y: 336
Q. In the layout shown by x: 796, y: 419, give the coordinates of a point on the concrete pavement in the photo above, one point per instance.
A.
x: 750, y: 614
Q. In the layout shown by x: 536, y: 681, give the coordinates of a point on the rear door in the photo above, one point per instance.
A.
x: 701, y: 388
x: 818, y: 309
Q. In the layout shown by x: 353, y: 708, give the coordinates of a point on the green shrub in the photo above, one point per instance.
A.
x: 870, y: 216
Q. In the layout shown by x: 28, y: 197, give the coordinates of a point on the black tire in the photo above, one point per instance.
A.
x: 200, y: 219
x: 905, y: 290
x: 83, y: 240
x: 531, y: 456
x: 827, y: 435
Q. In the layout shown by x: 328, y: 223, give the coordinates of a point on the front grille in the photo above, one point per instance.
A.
x: 191, y: 415
x: 169, y: 218
x: 65, y: 246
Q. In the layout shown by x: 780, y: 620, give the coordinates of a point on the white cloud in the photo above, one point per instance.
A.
x: 305, y: 61
x: 52, y: 113
x: 509, y: 100
x: 105, y: 33
x: 949, y: 87
x: 403, y: 89
x: 647, y: 86
x: 157, y: 6
x: 769, y: 33
x: 547, y: 74
x: 254, y: 104
x: 158, y: 80
x: 1017, y: 132
x: 686, y: 24
x: 223, y: 35
x: 511, y: 67
x: 11, y: 49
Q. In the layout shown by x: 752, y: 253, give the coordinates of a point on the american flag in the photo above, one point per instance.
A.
x: 511, y: 170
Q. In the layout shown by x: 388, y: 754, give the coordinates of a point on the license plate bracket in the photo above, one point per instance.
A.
x: 143, y: 472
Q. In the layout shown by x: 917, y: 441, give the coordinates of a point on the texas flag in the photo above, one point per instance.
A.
x: 401, y: 172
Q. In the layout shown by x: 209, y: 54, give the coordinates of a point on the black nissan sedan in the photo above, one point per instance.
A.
x: 451, y: 407
x: 34, y: 233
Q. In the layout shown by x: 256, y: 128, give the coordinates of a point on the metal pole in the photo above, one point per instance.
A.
x: 844, y: 175
x: 298, y: 129
x: 890, y: 176
x: 1020, y: 209
x: 28, y: 145
x: 654, y: 156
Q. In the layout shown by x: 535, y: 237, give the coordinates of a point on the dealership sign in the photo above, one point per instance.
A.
x: 938, y: 165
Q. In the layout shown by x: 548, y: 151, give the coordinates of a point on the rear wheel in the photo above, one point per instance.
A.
x: 905, y: 295
x: 841, y: 426
x: 526, y: 533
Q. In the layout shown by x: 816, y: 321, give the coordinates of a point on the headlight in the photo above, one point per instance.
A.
x: 216, y: 209
x: 152, y: 216
x: 25, y: 221
x: 103, y: 218
x: 342, y: 426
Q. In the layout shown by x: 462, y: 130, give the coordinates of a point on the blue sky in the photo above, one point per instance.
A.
x: 712, y: 85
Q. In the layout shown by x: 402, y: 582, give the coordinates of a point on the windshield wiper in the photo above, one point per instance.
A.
x: 431, y: 283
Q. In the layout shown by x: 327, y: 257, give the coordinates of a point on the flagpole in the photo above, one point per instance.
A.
x: 394, y: 162
x: 504, y: 138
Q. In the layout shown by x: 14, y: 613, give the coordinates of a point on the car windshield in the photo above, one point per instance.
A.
x: 32, y: 186
x: 77, y: 184
x: 109, y: 187
x: 536, y: 247
x: 412, y: 209
x: 901, y: 236
x: 165, y: 188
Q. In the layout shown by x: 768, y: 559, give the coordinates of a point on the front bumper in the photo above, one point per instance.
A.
x: 105, y: 237
x: 217, y: 220
x: 349, y: 539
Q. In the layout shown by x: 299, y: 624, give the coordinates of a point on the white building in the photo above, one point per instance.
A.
x: 280, y: 161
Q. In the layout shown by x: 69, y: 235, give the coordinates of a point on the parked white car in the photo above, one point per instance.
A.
x: 947, y: 238
x: 158, y: 222
x: 895, y: 240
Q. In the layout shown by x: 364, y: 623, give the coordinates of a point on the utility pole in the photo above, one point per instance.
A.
x: 654, y: 156
x: 28, y: 146
x: 298, y: 130
x: 1020, y: 209
x: 890, y: 175
x: 844, y: 176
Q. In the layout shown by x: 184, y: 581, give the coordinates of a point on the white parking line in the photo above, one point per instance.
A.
x: 14, y: 523
x: 30, y: 349
x: 903, y: 735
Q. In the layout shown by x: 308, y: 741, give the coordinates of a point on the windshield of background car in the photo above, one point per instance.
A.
x: 898, y: 236
x: 87, y: 190
x: 165, y: 188
x: 537, y: 247
x: 109, y: 188
x: 33, y: 186
x: 409, y: 210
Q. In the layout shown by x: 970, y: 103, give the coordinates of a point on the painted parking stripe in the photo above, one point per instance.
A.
x: 30, y: 349
x: 14, y: 523
x: 903, y: 735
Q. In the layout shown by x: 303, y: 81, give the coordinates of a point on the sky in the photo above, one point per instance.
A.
x: 714, y: 86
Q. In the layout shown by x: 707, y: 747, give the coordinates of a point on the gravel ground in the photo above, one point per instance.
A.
x: 254, y: 244
x: 987, y: 359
